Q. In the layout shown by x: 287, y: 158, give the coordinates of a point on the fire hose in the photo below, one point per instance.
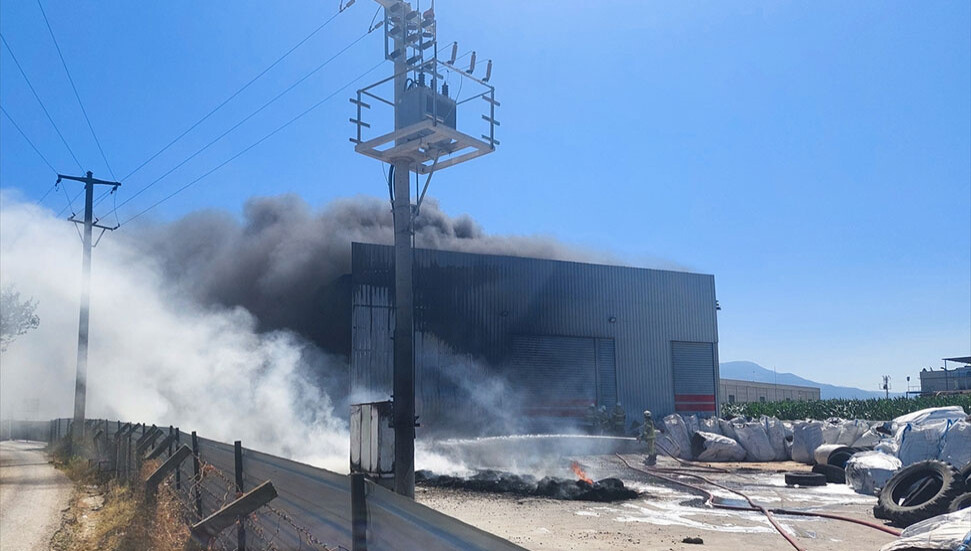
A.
x: 713, y: 501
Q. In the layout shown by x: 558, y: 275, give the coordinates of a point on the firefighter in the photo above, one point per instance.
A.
x: 603, y: 420
x: 648, y: 436
x: 618, y: 418
x: 592, y: 420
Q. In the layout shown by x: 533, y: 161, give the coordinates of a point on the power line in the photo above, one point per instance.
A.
x: 34, y: 147
x: 37, y: 97
x: 233, y: 95
x: 75, y: 88
x: 248, y: 117
x: 258, y: 142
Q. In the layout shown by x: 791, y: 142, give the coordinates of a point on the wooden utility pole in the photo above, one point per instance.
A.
x: 80, y: 385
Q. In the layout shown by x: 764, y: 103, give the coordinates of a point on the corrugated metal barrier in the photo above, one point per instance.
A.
x: 312, y: 510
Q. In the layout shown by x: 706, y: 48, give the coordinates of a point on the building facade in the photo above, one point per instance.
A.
x: 732, y: 391
x: 945, y: 380
x: 501, y: 338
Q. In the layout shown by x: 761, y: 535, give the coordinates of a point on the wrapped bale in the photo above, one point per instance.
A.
x: 710, y: 424
x: 920, y: 442
x: 753, y: 438
x: 868, y: 472
x: 957, y: 445
x: 708, y: 446
x: 727, y: 429
x: 777, y: 437
x: 850, y: 431
x: 806, y: 437
x: 677, y: 434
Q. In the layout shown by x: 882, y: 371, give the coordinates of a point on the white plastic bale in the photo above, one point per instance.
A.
x: 831, y: 431
x: 868, y: 472
x: 946, y: 531
x: 753, y: 438
x: 887, y: 446
x: 957, y: 445
x: 727, y: 429
x: 806, y: 437
x: 850, y: 431
x: 921, y: 442
x: 719, y: 448
x: 931, y: 415
x: 777, y: 437
x: 692, y: 424
x: 711, y: 424
x: 868, y: 439
x: 677, y: 432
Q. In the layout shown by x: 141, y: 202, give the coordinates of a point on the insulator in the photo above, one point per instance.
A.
x: 471, y: 64
x: 488, y: 74
x: 455, y: 52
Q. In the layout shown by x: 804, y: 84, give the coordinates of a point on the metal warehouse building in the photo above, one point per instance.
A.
x: 548, y: 338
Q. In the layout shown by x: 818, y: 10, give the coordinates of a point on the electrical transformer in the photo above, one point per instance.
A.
x: 419, y: 103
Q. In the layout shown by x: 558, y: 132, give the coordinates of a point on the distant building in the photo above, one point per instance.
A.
x: 955, y: 379
x: 731, y: 391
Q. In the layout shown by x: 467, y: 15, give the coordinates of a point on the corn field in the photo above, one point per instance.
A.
x: 877, y: 409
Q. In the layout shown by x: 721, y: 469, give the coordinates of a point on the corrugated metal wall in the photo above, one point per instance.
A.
x: 469, y: 308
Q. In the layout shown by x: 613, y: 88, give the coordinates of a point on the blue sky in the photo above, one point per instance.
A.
x: 815, y: 157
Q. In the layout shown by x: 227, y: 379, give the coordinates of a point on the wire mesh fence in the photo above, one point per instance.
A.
x: 311, y: 509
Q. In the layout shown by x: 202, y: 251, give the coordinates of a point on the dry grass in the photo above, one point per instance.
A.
x: 125, y: 521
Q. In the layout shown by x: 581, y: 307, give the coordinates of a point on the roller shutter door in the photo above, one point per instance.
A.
x: 694, y: 377
x: 557, y: 376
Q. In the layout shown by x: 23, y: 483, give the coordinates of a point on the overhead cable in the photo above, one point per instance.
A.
x: 75, y: 88
x: 233, y: 95
x: 258, y: 142
x: 42, y: 106
x: 240, y: 123
x: 34, y: 147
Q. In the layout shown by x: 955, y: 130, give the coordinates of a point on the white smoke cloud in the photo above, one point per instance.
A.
x: 156, y: 356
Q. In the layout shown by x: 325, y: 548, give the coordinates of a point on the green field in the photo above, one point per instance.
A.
x: 875, y: 409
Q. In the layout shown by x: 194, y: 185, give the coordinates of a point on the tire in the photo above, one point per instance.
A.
x: 833, y: 474
x: 962, y: 501
x: 965, y: 474
x: 918, y: 492
x: 840, y: 456
x: 805, y: 479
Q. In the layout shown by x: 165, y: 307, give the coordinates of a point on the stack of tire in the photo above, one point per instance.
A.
x: 924, y: 490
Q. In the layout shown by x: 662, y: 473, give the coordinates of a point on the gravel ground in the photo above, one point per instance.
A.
x: 663, y: 516
x: 32, y: 495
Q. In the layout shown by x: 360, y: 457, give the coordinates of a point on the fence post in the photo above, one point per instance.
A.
x: 358, y: 513
x: 240, y: 527
x: 178, y: 472
x: 195, y: 473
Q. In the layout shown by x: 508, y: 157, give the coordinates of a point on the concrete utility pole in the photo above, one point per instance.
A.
x: 424, y: 139
x: 80, y: 386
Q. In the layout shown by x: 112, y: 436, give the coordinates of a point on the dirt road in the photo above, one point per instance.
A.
x: 32, y: 495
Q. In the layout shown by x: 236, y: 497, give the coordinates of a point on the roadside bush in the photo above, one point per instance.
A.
x: 877, y: 409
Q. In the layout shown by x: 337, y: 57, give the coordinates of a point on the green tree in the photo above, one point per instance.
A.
x: 16, y: 316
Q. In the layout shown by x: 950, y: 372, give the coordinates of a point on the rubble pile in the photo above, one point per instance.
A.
x: 606, y: 490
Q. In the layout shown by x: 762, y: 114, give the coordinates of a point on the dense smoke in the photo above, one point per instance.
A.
x: 281, y: 261
x: 210, y: 323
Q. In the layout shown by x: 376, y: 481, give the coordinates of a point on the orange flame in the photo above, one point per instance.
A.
x: 580, y: 474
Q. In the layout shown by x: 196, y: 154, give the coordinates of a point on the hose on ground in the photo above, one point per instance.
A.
x: 713, y: 501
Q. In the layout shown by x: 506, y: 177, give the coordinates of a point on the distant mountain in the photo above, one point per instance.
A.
x: 751, y: 371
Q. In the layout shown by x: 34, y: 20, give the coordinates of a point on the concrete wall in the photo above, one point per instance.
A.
x: 734, y: 391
